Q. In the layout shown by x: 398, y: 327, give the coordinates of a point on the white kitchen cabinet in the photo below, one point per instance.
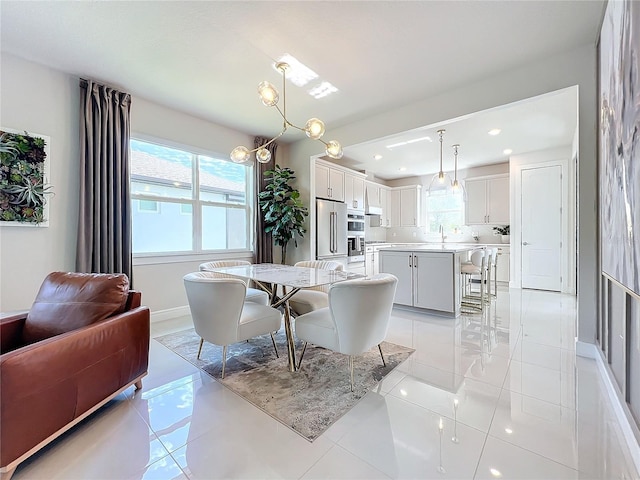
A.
x: 358, y: 267
x: 384, y: 218
x: 434, y: 291
x: 487, y: 200
x: 425, y: 279
x: 502, y: 267
x: 372, y: 259
x: 400, y: 264
x: 329, y: 182
x: 406, y: 206
x: 354, y: 191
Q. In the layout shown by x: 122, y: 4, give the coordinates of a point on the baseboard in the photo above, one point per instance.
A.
x: 623, y: 420
x: 170, y: 314
x: 586, y: 350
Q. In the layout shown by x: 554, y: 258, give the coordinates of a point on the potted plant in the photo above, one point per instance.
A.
x: 504, y: 232
x: 282, y: 208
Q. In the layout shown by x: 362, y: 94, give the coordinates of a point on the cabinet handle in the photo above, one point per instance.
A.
x: 356, y: 202
x: 415, y: 262
x: 410, y: 263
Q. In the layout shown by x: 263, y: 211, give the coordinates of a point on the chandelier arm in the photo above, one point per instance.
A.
x: 269, y: 142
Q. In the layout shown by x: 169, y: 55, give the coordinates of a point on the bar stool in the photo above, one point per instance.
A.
x: 492, y: 268
x: 477, y: 266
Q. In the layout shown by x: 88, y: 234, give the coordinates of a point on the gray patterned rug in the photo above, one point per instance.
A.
x: 308, y: 401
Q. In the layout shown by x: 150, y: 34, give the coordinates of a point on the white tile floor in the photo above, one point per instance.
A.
x: 527, y: 408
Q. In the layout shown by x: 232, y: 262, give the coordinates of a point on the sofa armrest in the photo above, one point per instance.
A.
x: 11, y: 325
x: 48, y: 384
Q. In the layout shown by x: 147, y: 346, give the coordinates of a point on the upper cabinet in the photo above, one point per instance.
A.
x: 329, y: 182
x: 354, y: 190
x: 487, y: 200
x: 405, y: 206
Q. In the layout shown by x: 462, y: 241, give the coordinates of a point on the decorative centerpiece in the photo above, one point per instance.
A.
x: 23, y: 187
x: 504, y: 232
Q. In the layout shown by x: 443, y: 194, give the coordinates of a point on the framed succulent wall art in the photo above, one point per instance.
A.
x: 24, y: 169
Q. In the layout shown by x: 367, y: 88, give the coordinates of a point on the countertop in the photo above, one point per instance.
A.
x: 431, y: 247
x: 437, y: 246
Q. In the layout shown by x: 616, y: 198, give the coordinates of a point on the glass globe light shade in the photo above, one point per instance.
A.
x: 268, y: 94
x: 240, y: 154
x: 314, y: 128
x: 334, y: 149
x: 263, y: 155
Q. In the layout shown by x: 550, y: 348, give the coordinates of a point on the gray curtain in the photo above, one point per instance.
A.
x: 264, y: 246
x: 104, y: 220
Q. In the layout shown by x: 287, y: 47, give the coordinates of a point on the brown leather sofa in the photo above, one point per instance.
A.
x: 84, y: 341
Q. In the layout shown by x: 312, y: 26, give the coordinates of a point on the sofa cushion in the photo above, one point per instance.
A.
x: 68, y: 301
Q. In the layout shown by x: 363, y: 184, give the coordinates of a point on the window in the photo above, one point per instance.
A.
x: 185, y: 202
x: 446, y: 209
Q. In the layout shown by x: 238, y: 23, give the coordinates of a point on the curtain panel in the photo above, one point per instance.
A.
x: 104, y: 220
x: 264, y: 245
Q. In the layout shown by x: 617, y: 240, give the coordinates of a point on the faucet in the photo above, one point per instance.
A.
x: 442, y: 235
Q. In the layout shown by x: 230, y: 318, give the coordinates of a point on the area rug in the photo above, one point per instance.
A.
x: 308, y: 401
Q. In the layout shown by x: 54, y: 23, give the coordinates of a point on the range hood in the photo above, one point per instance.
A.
x: 371, y: 204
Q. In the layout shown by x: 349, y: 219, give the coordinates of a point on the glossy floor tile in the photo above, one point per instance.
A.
x: 501, y: 395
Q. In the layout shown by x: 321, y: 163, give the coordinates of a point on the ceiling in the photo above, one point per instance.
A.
x: 207, y: 57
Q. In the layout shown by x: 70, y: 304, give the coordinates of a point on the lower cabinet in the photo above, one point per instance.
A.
x: 372, y: 265
x: 425, y: 279
x: 358, y: 267
x: 502, y: 267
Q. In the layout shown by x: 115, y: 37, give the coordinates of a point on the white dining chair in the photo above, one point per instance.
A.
x: 253, y: 294
x: 356, y: 319
x: 222, y: 316
x: 310, y: 299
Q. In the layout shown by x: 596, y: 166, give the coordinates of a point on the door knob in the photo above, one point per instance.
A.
x: 525, y: 243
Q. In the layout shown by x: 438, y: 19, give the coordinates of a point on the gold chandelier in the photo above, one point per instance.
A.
x: 314, y: 127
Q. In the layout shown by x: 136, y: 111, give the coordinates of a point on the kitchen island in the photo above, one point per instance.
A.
x: 428, y: 275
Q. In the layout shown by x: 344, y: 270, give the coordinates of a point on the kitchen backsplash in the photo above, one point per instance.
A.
x: 418, y: 234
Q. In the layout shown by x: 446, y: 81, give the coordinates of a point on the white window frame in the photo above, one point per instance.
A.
x: 197, y: 253
x: 428, y: 211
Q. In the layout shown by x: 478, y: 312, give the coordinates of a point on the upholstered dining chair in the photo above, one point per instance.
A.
x: 310, y: 299
x: 356, y: 319
x: 253, y: 294
x: 222, y: 316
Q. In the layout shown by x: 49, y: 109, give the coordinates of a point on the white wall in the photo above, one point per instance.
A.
x: 44, y: 101
x: 576, y: 67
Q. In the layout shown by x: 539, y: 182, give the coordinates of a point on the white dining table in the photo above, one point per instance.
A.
x: 268, y: 276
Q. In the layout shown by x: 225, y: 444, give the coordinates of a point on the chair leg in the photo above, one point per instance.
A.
x: 351, y: 369
x: 138, y: 385
x: 273, y: 340
x: 384, y: 364
x: 304, y: 349
x: 224, y: 359
x: 200, y: 347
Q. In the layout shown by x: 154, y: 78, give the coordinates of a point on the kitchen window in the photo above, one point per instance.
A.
x: 446, y: 209
x: 185, y: 202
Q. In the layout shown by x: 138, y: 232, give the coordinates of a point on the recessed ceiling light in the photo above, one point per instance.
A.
x: 508, y: 430
x: 402, y: 169
x: 494, y: 131
x: 403, y: 392
x: 507, y: 151
x: 496, y: 473
x: 298, y: 73
x: 377, y: 156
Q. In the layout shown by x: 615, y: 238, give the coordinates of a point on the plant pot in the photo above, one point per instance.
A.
x: 506, y: 238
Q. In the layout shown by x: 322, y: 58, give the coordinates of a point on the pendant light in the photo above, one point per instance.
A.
x: 456, y: 186
x: 441, y: 180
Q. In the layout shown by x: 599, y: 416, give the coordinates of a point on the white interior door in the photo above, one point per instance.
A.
x: 541, y: 228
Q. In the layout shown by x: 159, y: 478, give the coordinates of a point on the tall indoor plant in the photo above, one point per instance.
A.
x: 282, y: 208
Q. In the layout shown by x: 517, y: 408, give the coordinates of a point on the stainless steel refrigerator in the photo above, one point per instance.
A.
x: 331, y: 231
